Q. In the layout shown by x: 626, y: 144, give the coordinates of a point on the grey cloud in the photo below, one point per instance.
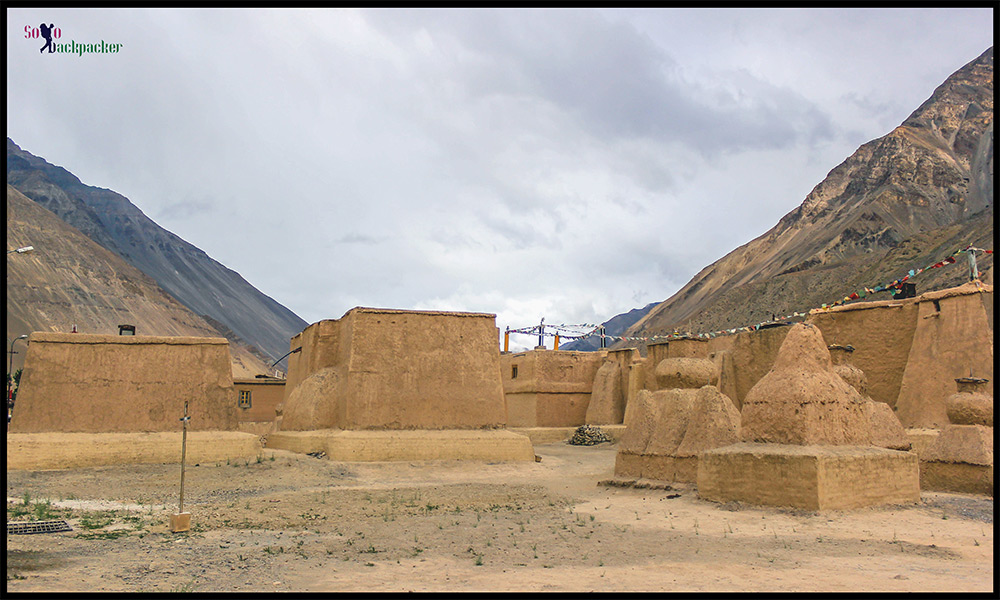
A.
x: 358, y: 238
x: 614, y: 80
x: 577, y: 159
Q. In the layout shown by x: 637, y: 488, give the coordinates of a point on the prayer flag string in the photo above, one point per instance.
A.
x: 571, y: 332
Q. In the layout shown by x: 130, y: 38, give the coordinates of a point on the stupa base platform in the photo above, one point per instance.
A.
x: 658, y: 467
x: 553, y: 435
x: 411, y: 444
x: 808, y: 477
x: 44, y: 451
x: 922, y: 439
x: 962, y: 478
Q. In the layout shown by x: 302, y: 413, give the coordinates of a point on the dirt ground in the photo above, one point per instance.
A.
x: 291, y: 522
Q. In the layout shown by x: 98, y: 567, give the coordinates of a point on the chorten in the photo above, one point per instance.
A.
x: 809, y: 440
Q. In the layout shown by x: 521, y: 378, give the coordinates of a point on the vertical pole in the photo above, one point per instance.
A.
x: 506, y: 340
x: 556, y: 347
x: 10, y: 379
x: 973, y: 270
x: 541, y: 332
x: 604, y: 343
x: 183, y: 453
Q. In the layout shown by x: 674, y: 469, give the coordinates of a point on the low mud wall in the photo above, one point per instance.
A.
x: 38, y: 451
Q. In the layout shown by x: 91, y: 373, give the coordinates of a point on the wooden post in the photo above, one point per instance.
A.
x: 182, y: 520
x: 184, y: 435
x: 506, y: 340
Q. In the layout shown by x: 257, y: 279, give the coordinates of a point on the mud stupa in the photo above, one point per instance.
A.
x: 666, y: 429
x: 610, y: 390
x: 961, y: 458
x: 808, y: 440
x: 887, y: 431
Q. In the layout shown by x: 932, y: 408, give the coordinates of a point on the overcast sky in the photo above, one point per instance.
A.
x: 565, y: 164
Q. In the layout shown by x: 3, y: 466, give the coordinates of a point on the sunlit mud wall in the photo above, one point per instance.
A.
x: 106, y: 383
x: 740, y: 360
x: 549, y: 388
x: 395, y: 369
x: 912, y: 350
x: 257, y: 401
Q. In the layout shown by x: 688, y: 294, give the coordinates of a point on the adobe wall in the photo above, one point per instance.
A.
x: 312, y: 349
x: 741, y: 360
x: 38, y: 451
x: 912, y: 350
x: 265, y: 396
x: 547, y: 410
x: 752, y: 354
x: 953, y: 339
x: 881, y: 334
x: 395, y: 369
x: 90, y: 383
x: 549, y: 388
x: 395, y: 445
x: 680, y: 348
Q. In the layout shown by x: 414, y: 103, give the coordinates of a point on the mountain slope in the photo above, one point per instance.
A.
x: 928, y: 183
x: 70, y: 280
x: 188, y: 274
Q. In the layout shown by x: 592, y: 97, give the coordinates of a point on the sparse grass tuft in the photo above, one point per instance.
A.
x: 185, y: 588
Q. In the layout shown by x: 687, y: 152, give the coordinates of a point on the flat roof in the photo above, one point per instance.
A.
x: 109, y: 338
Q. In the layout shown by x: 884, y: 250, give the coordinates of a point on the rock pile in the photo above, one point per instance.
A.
x: 587, y: 435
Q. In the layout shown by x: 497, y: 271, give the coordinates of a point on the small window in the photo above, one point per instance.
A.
x: 244, y: 398
x: 513, y: 372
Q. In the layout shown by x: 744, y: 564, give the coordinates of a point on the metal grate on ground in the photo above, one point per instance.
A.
x: 27, y: 527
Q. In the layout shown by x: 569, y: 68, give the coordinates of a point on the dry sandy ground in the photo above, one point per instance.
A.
x: 297, y: 523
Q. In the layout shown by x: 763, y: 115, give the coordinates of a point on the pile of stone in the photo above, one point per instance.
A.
x: 587, y: 435
x: 639, y: 484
